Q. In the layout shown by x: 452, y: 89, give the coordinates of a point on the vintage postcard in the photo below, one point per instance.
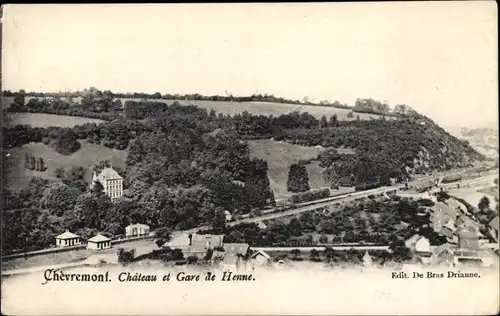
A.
x: 250, y: 159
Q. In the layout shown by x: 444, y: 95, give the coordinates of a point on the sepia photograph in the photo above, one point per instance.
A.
x: 250, y: 159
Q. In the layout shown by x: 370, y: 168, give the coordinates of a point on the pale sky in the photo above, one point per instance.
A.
x: 438, y: 57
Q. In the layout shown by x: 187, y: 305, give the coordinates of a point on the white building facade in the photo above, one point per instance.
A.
x: 111, y: 181
x: 136, y: 230
x: 68, y: 239
x: 99, y: 242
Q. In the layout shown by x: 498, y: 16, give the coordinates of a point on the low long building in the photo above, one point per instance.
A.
x: 136, y: 230
x: 99, y: 242
x: 68, y: 239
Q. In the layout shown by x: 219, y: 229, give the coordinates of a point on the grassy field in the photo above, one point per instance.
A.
x: 257, y: 108
x: 88, y: 154
x: 46, y: 120
x: 279, y: 157
x: 276, y: 109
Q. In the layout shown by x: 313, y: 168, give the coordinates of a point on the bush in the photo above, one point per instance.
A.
x: 66, y: 142
x: 126, y: 257
x: 309, y: 196
x: 59, y: 173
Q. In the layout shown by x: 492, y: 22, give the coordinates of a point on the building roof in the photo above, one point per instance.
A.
x: 213, y: 241
x: 262, y: 253
x: 261, y: 225
x: 445, y: 231
x: 99, y: 238
x: 67, y: 235
x: 494, y: 223
x: 441, y: 248
x: 451, y: 202
x: 450, y: 224
x: 445, y: 209
x: 235, y: 248
x: 423, y: 245
x: 467, y: 232
x: 410, y: 242
x: 109, y: 173
x: 138, y: 225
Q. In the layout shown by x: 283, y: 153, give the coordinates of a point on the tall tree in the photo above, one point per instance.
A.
x: 333, y: 120
x: 42, y: 164
x: 257, y: 187
x: 298, y: 179
x: 484, y: 204
x: 32, y: 163
x: 19, y: 98
x: 26, y: 160
x: 323, y: 122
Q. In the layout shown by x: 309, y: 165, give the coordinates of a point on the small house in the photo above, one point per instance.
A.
x: 136, y: 230
x: 68, y: 239
x: 260, y: 258
x: 99, y: 242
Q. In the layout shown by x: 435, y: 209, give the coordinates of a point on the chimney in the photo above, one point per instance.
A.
x: 190, y: 239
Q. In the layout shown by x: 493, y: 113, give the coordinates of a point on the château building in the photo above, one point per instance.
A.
x: 111, y: 181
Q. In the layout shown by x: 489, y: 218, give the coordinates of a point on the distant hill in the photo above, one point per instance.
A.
x: 484, y: 140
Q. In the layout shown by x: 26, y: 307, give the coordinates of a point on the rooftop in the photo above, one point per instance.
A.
x: 467, y: 231
x: 109, y: 173
x: 67, y: 235
x: 138, y: 225
x: 181, y: 240
x: 99, y: 238
x: 262, y: 253
x: 445, y: 209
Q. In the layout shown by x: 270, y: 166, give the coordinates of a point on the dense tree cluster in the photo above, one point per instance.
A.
x: 143, y: 109
x: 382, y: 221
x: 298, y: 179
x: 62, y: 107
x: 310, y: 196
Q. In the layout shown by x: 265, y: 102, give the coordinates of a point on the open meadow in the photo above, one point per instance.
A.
x: 276, y: 109
x: 280, y: 156
x: 88, y: 154
x: 46, y: 120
